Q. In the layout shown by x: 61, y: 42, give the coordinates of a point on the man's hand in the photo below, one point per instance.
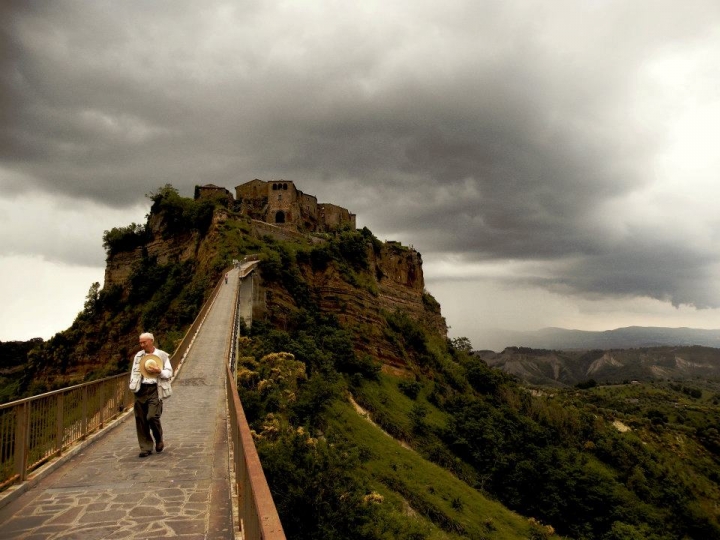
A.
x: 152, y: 366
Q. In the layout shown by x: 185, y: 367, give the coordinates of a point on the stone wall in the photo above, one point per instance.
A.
x: 251, y: 190
x: 333, y: 217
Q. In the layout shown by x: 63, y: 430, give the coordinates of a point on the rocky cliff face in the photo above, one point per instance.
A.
x: 392, y: 282
x: 398, y: 285
x: 165, y: 248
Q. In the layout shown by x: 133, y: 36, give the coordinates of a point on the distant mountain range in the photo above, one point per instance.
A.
x: 620, y: 338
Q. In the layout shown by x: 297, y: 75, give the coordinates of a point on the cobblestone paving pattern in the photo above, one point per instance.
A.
x: 108, y: 492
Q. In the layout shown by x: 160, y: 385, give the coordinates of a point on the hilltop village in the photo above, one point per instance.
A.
x: 280, y: 203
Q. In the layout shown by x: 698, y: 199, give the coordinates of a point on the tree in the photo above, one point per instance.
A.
x: 92, y: 299
x: 462, y: 344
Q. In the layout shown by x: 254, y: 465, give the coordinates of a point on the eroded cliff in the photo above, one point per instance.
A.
x: 388, y: 279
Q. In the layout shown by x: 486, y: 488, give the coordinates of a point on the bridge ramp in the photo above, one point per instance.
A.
x: 108, y: 492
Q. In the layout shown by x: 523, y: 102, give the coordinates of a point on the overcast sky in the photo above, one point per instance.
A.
x: 555, y: 163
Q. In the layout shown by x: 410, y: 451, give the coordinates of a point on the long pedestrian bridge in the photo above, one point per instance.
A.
x: 69, y: 464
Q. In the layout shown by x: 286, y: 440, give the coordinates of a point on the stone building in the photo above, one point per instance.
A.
x: 280, y: 203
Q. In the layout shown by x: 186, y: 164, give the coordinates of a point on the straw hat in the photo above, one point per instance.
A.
x: 151, y: 360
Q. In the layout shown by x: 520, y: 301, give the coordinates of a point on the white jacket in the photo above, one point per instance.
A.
x: 136, y: 377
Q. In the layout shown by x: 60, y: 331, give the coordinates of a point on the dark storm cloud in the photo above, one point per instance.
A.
x: 493, y: 130
x: 669, y: 272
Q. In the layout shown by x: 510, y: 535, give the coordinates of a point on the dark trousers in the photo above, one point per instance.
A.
x: 148, y: 409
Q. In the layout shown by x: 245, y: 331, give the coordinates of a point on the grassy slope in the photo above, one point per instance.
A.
x: 669, y: 421
x: 403, y: 473
x: 430, y: 488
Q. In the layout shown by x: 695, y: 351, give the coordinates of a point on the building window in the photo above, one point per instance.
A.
x: 285, y: 187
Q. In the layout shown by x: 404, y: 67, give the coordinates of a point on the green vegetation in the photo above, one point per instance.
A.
x: 182, y: 215
x: 455, y: 448
x: 119, y: 239
x: 325, y: 484
x: 476, y: 437
x: 13, y: 357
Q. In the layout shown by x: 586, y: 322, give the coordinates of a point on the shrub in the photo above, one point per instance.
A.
x: 410, y: 388
x: 410, y: 331
x: 352, y: 247
x: 181, y: 214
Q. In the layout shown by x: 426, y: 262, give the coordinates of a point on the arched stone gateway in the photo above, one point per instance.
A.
x: 280, y: 217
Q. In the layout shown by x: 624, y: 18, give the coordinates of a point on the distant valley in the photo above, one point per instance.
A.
x: 570, y: 367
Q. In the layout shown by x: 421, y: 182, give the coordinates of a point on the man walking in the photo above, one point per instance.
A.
x: 151, y: 368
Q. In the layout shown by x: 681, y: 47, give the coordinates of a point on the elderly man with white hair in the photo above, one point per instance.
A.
x: 151, y: 369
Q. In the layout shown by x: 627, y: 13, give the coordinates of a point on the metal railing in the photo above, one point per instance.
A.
x: 231, y: 359
x: 258, y: 516
x: 37, y: 429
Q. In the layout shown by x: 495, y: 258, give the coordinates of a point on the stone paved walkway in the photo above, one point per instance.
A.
x: 108, y: 492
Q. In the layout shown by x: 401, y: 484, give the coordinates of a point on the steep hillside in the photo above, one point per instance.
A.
x: 583, y: 465
x: 557, y: 459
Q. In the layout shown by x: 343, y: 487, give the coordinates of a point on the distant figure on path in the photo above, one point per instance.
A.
x: 226, y: 277
x: 151, y: 367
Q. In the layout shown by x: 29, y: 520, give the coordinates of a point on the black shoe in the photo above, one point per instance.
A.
x: 159, y: 447
x: 145, y: 454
